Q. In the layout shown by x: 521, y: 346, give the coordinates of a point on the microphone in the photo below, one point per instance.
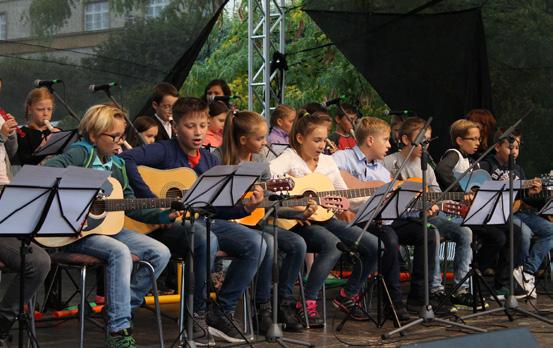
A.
x: 48, y: 125
x: 104, y: 87
x: 334, y: 101
x: 399, y: 112
x: 46, y: 83
x: 224, y: 98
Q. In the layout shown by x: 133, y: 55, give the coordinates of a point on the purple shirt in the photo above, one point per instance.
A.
x: 278, y: 136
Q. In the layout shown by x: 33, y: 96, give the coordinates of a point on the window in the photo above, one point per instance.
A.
x: 3, y: 27
x: 96, y: 16
x: 155, y: 7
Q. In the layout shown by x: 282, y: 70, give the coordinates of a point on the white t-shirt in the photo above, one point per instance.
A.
x: 289, y: 162
x: 4, y: 179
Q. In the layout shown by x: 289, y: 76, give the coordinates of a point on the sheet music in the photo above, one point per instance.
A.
x: 40, y: 179
x: 56, y: 142
x: 491, y: 204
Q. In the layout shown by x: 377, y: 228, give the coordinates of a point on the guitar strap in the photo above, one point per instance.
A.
x: 91, y: 152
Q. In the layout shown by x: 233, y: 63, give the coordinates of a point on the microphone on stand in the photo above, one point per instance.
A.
x: 46, y: 83
x: 104, y: 87
x: 224, y: 98
x: 331, y: 102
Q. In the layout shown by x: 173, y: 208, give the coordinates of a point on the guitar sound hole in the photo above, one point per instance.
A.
x: 174, y: 193
x: 309, y: 194
x: 97, y: 208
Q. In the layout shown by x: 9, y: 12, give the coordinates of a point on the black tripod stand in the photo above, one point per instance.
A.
x: 511, y: 304
x: 274, y: 333
x: 426, y: 315
x: 377, y: 282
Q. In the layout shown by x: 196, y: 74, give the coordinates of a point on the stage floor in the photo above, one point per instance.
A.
x: 65, y: 333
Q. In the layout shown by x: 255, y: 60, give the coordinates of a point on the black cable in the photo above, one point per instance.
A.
x: 84, y: 53
x: 74, y: 65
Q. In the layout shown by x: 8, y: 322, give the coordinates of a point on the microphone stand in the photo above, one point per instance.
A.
x: 274, y: 333
x: 353, y: 250
x: 426, y: 315
x: 352, y: 129
x: 139, y: 136
x: 62, y: 102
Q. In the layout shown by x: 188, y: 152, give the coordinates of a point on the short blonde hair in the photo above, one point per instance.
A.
x: 100, y: 118
x: 368, y: 126
x: 460, y: 129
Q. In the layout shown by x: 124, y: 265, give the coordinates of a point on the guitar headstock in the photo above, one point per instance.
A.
x: 547, y: 180
x: 280, y: 184
x: 334, y: 202
x: 455, y: 208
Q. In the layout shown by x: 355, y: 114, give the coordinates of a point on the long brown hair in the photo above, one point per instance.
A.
x: 488, y: 125
x: 243, y: 123
x: 36, y: 95
x: 304, y: 125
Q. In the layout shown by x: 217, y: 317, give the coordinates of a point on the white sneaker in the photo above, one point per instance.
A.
x: 526, y: 282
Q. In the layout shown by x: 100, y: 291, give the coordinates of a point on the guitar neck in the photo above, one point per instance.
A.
x: 135, y: 203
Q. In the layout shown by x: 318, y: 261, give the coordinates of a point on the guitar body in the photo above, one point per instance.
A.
x: 164, y: 183
x: 310, y: 183
x: 354, y: 183
x: 254, y: 217
x: 106, y: 223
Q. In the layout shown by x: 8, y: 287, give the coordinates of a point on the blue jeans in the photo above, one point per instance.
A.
x: 451, y: 230
x: 125, y: 290
x: 248, y: 249
x: 543, y: 230
x: 176, y: 239
x: 525, y: 239
x: 293, y: 247
x: 322, y: 239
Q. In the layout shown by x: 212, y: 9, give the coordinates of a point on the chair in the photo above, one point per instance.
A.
x: 82, y: 262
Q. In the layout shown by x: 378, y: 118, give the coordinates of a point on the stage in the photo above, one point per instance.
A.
x: 65, y: 333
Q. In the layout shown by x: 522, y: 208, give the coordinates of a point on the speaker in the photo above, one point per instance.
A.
x: 509, y: 338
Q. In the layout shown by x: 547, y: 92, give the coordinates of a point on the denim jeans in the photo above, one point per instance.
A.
x: 176, y: 239
x: 543, y: 230
x: 525, y: 239
x: 293, y: 247
x: 37, y: 265
x: 462, y: 236
x: 125, y: 290
x: 322, y: 239
x: 248, y: 249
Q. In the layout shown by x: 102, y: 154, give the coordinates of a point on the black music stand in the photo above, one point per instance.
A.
x: 386, y: 204
x: 219, y: 187
x: 57, y: 143
x: 493, y: 205
x: 274, y: 150
x: 62, y: 199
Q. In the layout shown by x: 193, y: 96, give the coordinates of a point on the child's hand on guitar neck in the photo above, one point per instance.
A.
x: 434, y: 209
x: 310, y: 209
x: 536, y: 186
x: 255, y: 200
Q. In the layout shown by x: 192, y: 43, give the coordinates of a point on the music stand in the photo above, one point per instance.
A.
x: 547, y: 208
x: 57, y: 143
x: 385, y: 204
x: 62, y: 199
x: 219, y: 187
x: 274, y: 150
x: 493, y: 205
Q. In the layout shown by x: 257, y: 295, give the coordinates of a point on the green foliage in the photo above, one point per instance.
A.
x: 48, y: 16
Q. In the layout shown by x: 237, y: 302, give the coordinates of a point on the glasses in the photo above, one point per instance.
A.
x: 475, y: 139
x: 115, y: 138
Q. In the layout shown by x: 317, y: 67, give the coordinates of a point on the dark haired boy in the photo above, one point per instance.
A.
x: 164, y: 97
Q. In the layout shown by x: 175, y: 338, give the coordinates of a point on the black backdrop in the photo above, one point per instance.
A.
x: 433, y: 64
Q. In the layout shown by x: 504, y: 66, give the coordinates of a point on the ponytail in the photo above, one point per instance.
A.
x: 305, y: 123
x: 242, y: 123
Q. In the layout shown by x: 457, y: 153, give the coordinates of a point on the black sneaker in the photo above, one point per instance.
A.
x: 350, y: 305
x: 202, y: 337
x: 264, y: 317
x: 464, y: 300
x: 313, y: 316
x: 415, y: 305
x: 401, y: 311
x: 441, y: 303
x: 221, y: 327
x: 287, y: 316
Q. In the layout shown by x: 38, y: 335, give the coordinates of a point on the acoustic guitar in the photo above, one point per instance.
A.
x: 164, y: 183
x: 107, y: 214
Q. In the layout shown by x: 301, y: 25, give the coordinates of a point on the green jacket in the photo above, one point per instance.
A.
x: 82, y: 154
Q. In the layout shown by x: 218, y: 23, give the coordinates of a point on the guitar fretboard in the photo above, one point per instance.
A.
x: 134, y: 203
